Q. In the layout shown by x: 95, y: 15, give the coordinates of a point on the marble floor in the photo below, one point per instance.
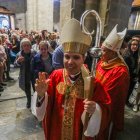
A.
x: 17, y: 122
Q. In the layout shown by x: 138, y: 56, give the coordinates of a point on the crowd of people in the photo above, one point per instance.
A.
x: 11, y: 47
x: 60, y: 78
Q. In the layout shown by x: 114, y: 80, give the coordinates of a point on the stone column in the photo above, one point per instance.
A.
x: 65, y: 12
x: 30, y: 15
x: 56, y: 14
x: 79, y: 8
x: 45, y: 15
x: 90, y: 21
x: 39, y: 15
x: 121, y: 15
x: 103, y: 12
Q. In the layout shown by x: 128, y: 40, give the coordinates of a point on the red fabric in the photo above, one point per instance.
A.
x: 52, y: 122
x: 116, y: 83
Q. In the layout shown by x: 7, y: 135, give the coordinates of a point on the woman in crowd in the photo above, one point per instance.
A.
x: 37, y: 38
x: 131, y: 59
x: 8, y: 60
x: 23, y: 60
x: 15, y: 43
x: 42, y: 62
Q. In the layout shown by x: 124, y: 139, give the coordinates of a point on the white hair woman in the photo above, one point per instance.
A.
x: 23, y: 60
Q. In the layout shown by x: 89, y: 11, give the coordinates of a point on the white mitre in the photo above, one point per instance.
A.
x: 115, y: 39
x: 73, y: 39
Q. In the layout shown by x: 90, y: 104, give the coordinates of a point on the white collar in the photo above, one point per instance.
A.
x: 75, y: 74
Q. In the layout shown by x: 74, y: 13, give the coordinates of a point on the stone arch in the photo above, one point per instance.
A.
x: 7, y: 19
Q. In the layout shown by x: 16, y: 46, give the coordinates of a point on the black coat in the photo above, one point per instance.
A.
x: 131, y: 59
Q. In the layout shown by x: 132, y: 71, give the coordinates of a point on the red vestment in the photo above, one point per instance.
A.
x: 114, y: 77
x: 54, y: 123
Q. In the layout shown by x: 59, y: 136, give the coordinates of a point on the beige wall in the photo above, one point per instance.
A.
x: 39, y: 15
x: 102, y: 12
x: 12, y: 18
x: 20, y: 21
x: 65, y: 11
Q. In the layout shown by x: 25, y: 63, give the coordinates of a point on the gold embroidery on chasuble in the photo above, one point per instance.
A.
x: 61, y: 87
x: 76, y: 90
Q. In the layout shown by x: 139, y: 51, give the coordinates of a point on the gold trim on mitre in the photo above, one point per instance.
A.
x: 73, y: 39
x: 75, y: 47
x: 107, y: 45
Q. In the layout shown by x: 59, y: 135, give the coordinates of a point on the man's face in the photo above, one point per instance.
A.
x: 73, y: 62
x: 107, y: 54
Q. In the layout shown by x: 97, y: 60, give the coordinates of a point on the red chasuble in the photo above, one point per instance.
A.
x: 115, y: 79
x: 62, y: 119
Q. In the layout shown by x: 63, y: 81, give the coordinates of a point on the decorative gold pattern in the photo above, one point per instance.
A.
x: 76, y: 91
x: 75, y: 47
x: 61, y: 87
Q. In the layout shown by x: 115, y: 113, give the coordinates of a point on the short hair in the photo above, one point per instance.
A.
x: 136, y: 37
x: 44, y: 43
x: 25, y: 40
x: 14, y: 35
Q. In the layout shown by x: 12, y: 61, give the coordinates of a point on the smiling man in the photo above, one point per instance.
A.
x: 61, y: 102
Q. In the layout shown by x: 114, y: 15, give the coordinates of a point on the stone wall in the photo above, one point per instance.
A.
x: 39, y: 15
x: 52, y: 14
x: 79, y: 9
x: 17, y: 6
x: 119, y: 14
x: 56, y: 14
x: 103, y: 12
x: 65, y: 11
x: 20, y: 21
x: 31, y: 14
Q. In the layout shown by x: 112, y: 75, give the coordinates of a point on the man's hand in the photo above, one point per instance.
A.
x: 89, y: 106
x: 41, y: 84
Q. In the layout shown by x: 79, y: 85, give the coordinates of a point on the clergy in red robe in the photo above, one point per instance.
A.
x: 113, y: 74
x: 62, y: 100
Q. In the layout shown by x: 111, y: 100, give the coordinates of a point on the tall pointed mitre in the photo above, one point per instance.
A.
x: 114, y: 39
x: 73, y: 39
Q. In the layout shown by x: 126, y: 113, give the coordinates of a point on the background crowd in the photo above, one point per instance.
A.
x: 41, y: 51
x: 36, y: 52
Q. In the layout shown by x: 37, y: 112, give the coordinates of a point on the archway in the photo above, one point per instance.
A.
x: 6, y: 18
